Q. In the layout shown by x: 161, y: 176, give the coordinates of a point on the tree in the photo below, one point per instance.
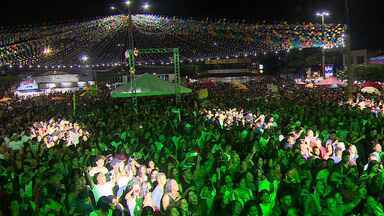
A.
x: 298, y: 59
x: 368, y: 72
x: 295, y: 59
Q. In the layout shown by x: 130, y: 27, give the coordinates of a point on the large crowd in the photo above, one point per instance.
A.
x: 53, y: 132
x: 130, y: 187
x: 228, y: 118
x: 313, y: 156
x: 367, y: 102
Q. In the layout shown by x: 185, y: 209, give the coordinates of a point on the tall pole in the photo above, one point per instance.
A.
x: 130, y: 45
x: 131, y: 60
x: 323, y: 48
x: 323, y: 30
x: 347, y: 50
x: 74, y: 104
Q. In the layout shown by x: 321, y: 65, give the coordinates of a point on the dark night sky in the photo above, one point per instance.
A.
x: 367, y: 15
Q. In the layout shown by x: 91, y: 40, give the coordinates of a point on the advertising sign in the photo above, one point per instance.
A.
x: 328, y: 71
x: 376, y: 60
x: 26, y: 85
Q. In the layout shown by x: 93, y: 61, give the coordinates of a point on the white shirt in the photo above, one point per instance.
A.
x: 131, y: 206
x: 157, y: 194
x: 103, y: 190
x: 122, y: 181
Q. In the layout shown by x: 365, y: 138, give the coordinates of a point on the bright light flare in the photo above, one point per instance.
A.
x: 324, y: 13
x: 47, y: 51
x: 146, y: 6
x: 84, y: 58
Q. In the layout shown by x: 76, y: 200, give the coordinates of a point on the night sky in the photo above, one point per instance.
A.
x: 367, y: 15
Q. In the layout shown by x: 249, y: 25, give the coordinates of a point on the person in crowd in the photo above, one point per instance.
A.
x: 142, y: 178
x: 103, y: 193
x: 338, y: 156
x: 115, y: 164
x: 171, y: 194
x: 100, y: 166
x: 123, y: 177
x: 328, y: 153
x: 158, y: 192
x: 153, y: 177
x: 316, y: 153
x: 378, y: 151
x: 134, y: 200
x: 371, y: 160
x: 305, y: 150
x: 353, y: 155
x: 150, y: 168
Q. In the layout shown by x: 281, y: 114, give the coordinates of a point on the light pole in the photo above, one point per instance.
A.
x: 127, y: 11
x: 131, y: 46
x: 323, y: 15
x: 347, y: 49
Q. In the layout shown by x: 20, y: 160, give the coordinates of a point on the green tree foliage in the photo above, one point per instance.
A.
x: 368, y: 72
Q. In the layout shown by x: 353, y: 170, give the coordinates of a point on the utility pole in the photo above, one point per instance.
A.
x: 347, y: 50
x: 323, y: 15
x: 131, y: 52
x: 323, y: 49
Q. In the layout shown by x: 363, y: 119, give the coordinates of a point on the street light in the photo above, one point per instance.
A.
x: 84, y: 58
x: 347, y: 50
x: 323, y: 14
x: 146, y: 6
x: 128, y: 11
x: 127, y: 3
x: 127, y: 8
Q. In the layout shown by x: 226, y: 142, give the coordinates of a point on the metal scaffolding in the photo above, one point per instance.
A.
x: 131, y: 54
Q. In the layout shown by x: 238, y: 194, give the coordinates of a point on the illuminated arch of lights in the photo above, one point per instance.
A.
x: 104, y: 40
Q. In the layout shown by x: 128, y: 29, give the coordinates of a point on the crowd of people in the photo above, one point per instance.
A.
x: 208, y: 169
x: 311, y: 147
x: 367, y: 102
x: 54, y: 131
x: 233, y: 117
x: 131, y: 187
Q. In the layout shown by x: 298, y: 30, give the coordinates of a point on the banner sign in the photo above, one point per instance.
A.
x: 328, y: 71
x: 376, y: 60
x: 28, y: 85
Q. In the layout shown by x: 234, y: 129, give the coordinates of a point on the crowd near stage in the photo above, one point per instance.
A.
x: 141, y: 114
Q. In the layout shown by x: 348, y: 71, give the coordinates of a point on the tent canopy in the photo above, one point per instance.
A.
x: 149, y: 85
x: 371, y: 90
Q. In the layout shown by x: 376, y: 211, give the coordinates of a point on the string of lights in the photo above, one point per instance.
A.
x: 103, y: 41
